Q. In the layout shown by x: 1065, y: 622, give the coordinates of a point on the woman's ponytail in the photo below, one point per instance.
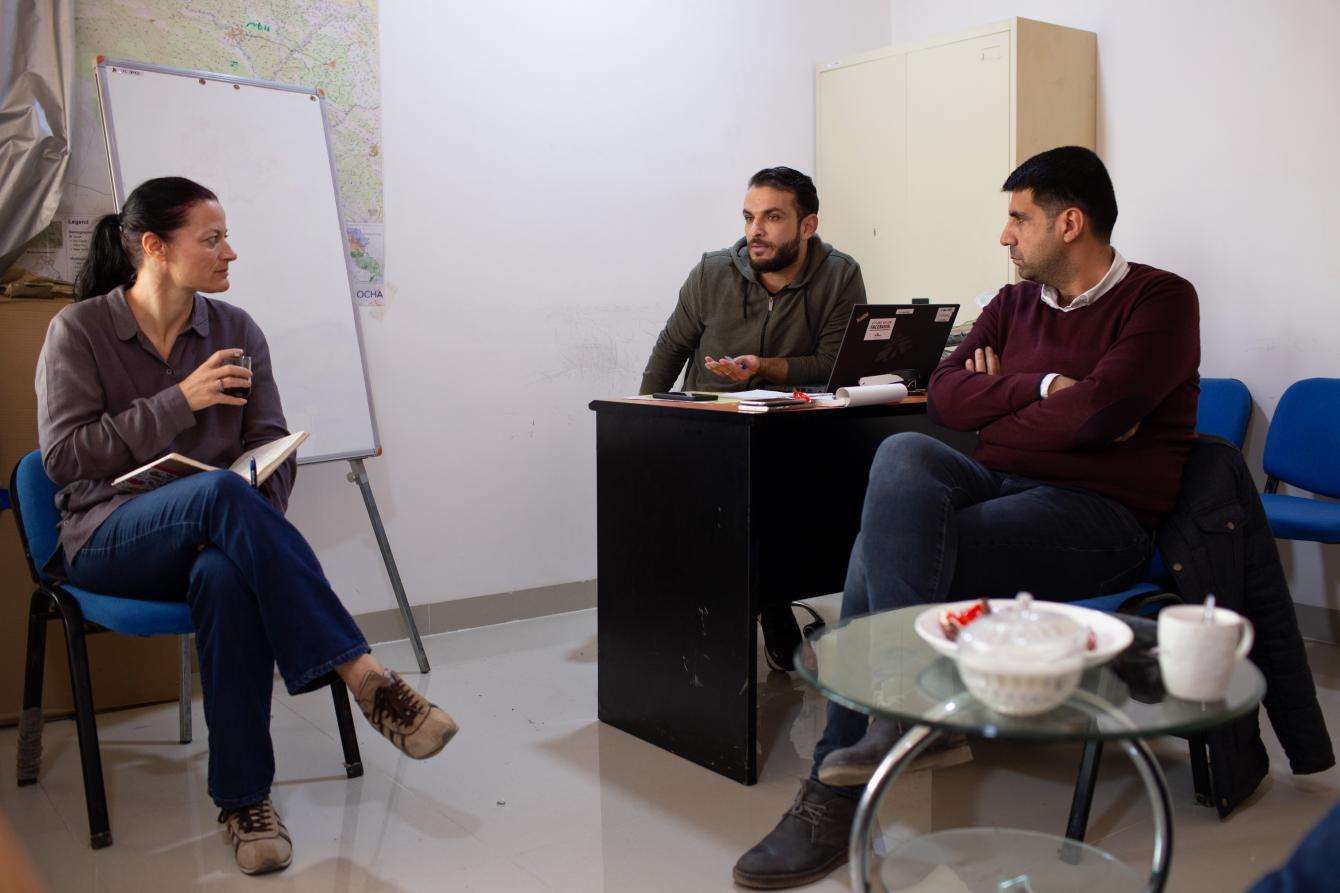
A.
x: 108, y: 263
x: 155, y: 206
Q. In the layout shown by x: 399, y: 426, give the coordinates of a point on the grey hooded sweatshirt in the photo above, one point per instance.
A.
x: 724, y: 310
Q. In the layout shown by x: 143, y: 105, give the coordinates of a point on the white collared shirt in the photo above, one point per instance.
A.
x: 1115, y: 274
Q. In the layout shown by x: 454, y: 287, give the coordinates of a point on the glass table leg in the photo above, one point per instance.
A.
x: 1157, y: 787
x: 914, y: 742
x: 919, y: 737
x: 1147, y: 765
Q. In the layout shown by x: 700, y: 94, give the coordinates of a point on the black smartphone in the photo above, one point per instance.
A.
x: 680, y: 395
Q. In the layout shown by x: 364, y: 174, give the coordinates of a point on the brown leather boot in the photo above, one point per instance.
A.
x: 260, y: 841
x: 419, y: 728
x: 808, y: 843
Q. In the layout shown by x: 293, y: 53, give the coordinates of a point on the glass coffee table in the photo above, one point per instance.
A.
x: 877, y: 664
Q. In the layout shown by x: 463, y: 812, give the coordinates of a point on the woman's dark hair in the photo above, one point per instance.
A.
x: 793, y: 181
x: 1069, y: 177
x: 156, y: 206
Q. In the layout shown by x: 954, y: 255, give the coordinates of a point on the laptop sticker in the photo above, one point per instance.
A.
x: 879, y: 329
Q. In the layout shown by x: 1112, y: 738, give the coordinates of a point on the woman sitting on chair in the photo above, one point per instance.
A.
x: 142, y: 365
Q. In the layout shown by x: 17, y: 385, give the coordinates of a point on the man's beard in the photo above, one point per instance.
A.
x: 784, y: 257
x: 1047, y: 270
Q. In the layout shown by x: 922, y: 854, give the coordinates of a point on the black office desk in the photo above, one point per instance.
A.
x: 705, y: 515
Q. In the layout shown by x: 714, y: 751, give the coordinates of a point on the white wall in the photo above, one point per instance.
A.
x: 553, y: 170
x: 1219, y: 125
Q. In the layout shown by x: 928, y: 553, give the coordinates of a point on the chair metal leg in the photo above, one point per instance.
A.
x: 30, y: 719
x: 184, y: 690
x: 95, y: 796
x: 1085, y: 783
x: 1200, y: 770
x: 344, y: 718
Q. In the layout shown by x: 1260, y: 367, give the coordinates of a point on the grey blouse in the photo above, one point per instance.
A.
x: 107, y: 403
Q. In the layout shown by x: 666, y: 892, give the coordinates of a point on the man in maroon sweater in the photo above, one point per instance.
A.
x: 1081, y: 382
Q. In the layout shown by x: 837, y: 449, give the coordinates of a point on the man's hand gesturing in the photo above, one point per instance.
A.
x: 735, y: 369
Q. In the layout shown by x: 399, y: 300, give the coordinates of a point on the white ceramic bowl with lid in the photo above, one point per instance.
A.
x: 1021, y: 661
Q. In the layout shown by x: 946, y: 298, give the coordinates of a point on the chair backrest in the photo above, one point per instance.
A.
x: 1303, y: 444
x: 34, y: 502
x: 1224, y: 410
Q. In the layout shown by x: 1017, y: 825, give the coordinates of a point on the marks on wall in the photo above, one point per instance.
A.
x: 603, y: 345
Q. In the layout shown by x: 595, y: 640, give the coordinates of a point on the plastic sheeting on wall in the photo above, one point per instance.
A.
x: 36, y: 89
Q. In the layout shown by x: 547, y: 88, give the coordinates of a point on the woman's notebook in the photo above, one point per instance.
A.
x: 174, y: 466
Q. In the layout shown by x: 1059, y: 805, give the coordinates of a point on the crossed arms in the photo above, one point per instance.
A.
x: 1147, y: 360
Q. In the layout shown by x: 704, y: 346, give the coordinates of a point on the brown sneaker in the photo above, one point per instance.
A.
x: 260, y: 840
x: 407, y: 719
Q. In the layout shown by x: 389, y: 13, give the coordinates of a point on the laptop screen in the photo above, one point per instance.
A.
x: 897, y: 339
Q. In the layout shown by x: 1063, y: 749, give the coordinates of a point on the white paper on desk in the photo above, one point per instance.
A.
x: 871, y: 395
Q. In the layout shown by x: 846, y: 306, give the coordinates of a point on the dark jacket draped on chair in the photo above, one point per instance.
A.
x: 1217, y: 540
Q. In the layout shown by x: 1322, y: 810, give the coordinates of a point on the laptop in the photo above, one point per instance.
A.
x: 898, y: 339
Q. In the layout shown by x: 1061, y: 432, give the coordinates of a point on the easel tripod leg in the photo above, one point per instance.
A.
x: 359, y: 476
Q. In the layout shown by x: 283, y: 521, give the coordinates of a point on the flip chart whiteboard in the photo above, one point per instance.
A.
x: 263, y: 149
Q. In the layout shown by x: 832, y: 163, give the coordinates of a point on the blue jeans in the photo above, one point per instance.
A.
x: 938, y: 525
x: 1311, y: 866
x: 257, y: 596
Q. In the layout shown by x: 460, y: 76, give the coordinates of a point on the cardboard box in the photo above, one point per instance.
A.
x: 126, y: 670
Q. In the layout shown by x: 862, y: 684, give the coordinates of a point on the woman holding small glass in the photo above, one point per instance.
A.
x: 144, y: 364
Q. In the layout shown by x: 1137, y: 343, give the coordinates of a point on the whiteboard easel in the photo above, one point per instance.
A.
x: 264, y: 149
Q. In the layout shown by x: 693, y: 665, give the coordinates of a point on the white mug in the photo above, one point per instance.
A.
x: 1197, y: 658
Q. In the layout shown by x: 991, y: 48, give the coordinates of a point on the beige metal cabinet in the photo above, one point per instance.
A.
x: 913, y: 143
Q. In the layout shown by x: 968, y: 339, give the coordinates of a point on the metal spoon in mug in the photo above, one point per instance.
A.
x: 1209, y: 608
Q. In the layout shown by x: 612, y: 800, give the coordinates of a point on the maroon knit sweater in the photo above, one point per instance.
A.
x: 1134, y: 353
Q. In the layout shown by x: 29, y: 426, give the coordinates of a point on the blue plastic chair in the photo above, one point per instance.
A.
x: 82, y: 613
x: 1224, y: 410
x: 1303, y: 450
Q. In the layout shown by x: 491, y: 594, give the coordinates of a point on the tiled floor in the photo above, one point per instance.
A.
x: 534, y: 794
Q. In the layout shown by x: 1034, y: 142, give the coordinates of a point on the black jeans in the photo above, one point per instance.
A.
x: 257, y: 597
x: 938, y: 525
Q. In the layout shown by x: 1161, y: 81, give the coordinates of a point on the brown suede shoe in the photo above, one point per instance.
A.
x: 260, y: 841
x: 808, y: 843
x: 407, y: 719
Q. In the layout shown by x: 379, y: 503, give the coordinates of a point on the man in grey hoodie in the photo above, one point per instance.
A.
x: 767, y: 312
x: 770, y: 310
